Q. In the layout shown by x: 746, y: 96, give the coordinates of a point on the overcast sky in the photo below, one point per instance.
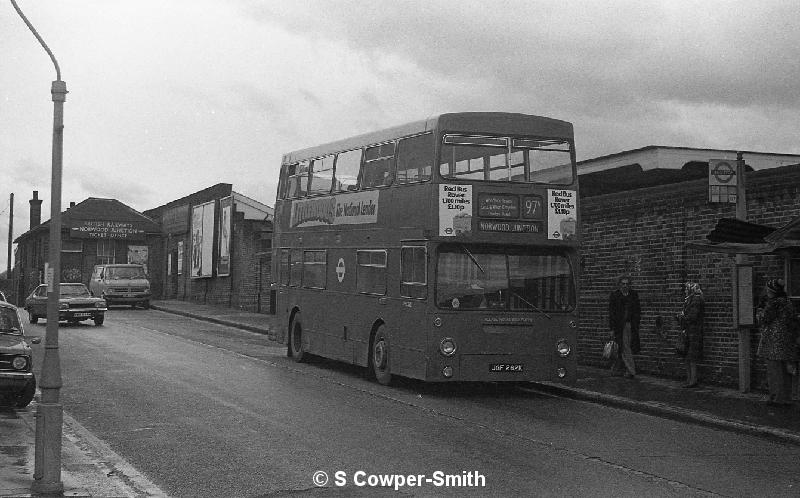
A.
x: 168, y: 97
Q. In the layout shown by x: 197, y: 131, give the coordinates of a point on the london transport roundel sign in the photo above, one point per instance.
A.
x: 722, y: 172
x: 340, y: 270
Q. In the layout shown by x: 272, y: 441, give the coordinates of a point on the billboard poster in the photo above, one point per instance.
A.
x: 180, y: 257
x: 226, y: 212
x: 455, y: 210
x: 137, y: 255
x: 562, y: 214
x: 202, y: 240
x: 343, y: 209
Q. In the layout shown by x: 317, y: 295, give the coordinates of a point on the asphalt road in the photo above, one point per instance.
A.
x: 207, y: 410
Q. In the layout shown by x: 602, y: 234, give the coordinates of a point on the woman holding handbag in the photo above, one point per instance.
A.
x: 777, y: 345
x: 691, y: 321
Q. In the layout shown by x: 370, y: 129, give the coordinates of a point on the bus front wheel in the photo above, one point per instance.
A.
x: 380, y: 359
x: 296, y: 341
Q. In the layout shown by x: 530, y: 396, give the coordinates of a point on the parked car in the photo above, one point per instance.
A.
x: 121, y: 284
x: 17, y: 381
x: 75, y: 304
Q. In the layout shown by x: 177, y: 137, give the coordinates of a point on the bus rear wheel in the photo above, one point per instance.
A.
x: 380, y: 361
x: 295, y: 349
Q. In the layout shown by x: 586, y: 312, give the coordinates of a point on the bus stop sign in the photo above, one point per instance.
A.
x: 722, y: 181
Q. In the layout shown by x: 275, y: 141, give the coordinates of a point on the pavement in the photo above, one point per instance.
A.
x: 90, y: 468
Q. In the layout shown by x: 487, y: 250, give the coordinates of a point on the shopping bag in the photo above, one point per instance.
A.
x: 682, y: 343
x: 610, y: 350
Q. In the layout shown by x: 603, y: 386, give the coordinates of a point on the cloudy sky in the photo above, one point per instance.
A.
x: 171, y: 96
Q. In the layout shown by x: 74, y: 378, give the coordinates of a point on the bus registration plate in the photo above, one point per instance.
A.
x: 506, y: 367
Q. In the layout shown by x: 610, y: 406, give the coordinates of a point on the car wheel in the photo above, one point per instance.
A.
x: 99, y: 319
x: 296, y: 341
x: 25, y: 397
x: 379, y: 358
x: 32, y: 317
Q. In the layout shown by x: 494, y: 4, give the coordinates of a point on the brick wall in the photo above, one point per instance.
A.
x: 247, y: 286
x: 644, y: 233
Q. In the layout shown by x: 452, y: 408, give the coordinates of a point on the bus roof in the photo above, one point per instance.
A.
x: 488, y: 122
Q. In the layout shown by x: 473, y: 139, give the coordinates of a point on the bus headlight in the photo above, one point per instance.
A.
x: 561, y: 372
x: 447, y: 371
x: 563, y: 347
x: 447, y: 347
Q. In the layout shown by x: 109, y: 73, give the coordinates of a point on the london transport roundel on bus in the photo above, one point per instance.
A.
x: 340, y: 270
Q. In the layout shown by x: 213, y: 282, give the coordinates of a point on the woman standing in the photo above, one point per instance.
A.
x: 777, y: 345
x: 691, y: 320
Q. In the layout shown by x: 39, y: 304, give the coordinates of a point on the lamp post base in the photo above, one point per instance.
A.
x: 47, y: 467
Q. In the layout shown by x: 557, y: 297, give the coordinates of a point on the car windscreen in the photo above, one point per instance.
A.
x: 125, y: 273
x: 9, y: 321
x: 73, y: 291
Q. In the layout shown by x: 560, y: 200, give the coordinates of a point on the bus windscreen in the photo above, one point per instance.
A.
x: 475, y: 277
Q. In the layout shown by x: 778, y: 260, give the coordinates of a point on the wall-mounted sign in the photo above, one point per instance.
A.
x: 202, y: 240
x: 225, y: 228
x: 106, y: 230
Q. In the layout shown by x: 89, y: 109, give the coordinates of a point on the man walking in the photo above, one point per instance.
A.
x: 624, y: 314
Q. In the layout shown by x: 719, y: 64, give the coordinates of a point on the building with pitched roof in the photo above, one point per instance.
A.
x: 94, y: 231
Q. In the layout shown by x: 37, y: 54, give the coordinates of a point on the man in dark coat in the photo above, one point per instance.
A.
x: 624, y: 314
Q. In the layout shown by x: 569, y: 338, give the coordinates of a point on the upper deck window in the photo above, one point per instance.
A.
x: 321, y: 175
x: 378, y: 166
x: 415, y: 158
x: 297, y: 179
x: 347, y: 166
x: 481, y: 158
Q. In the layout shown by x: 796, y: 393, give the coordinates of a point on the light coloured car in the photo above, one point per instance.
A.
x: 17, y: 380
x: 75, y: 304
x: 121, y: 284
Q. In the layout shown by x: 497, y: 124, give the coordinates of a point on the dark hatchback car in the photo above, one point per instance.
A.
x: 17, y: 381
x: 75, y: 304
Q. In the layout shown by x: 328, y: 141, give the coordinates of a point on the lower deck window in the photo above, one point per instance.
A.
x: 371, y: 272
x: 314, y: 269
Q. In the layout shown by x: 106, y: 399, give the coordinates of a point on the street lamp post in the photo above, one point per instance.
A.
x: 50, y: 412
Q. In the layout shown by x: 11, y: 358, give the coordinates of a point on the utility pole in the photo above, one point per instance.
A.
x: 742, y: 269
x: 50, y: 412
x: 10, y: 235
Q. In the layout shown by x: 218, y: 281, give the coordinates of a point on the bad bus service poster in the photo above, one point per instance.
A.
x: 455, y: 210
x: 561, y: 214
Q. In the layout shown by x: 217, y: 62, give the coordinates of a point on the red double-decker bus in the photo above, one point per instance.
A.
x: 442, y: 250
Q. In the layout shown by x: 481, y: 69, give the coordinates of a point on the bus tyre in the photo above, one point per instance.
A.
x: 295, y: 349
x: 379, y: 358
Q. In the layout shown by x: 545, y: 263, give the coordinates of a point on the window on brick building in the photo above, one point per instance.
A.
x: 105, y: 251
